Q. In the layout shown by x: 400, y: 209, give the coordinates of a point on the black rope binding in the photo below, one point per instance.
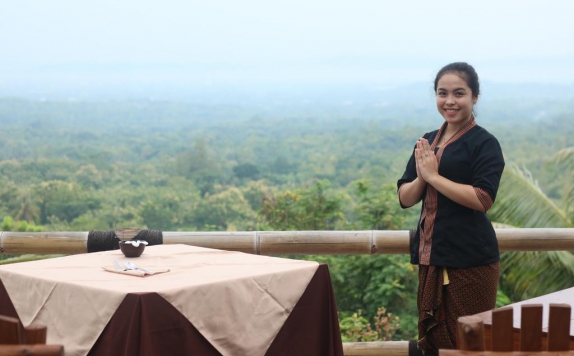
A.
x: 102, y: 241
x: 107, y: 240
x: 412, y: 235
x: 153, y: 237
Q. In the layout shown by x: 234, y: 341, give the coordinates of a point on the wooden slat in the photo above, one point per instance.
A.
x: 531, y: 328
x: 470, y: 333
x: 35, y: 334
x: 10, y: 330
x: 559, y: 327
x: 502, y: 333
x: 31, y: 350
x: 495, y: 353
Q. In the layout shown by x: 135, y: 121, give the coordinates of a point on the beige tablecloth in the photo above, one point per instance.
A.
x: 237, y: 301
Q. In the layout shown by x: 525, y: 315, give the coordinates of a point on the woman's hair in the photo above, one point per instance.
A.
x: 465, y: 71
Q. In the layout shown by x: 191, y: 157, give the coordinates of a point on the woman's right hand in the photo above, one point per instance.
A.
x: 418, y: 157
x: 412, y: 192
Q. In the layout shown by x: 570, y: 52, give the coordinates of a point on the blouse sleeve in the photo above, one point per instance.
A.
x: 487, y: 167
x: 410, y: 173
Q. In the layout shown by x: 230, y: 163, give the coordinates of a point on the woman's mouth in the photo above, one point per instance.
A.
x: 451, y: 112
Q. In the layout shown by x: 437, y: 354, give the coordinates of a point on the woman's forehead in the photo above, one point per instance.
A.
x: 452, y: 81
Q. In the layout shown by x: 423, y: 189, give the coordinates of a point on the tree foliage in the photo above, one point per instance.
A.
x: 179, y: 166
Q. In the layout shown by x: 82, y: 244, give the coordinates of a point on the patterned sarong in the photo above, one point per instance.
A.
x: 469, y: 291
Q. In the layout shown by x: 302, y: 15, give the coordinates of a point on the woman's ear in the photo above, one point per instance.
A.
x: 474, y: 100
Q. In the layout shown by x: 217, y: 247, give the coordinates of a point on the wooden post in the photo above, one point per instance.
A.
x: 470, y: 333
x: 502, y: 329
x: 35, y: 334
x: 559, y: 327
x: 10, y: 330
x: 531, y: 327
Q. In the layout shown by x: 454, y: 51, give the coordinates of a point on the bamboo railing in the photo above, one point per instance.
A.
x: 289, y: 242
x: 299, y: 243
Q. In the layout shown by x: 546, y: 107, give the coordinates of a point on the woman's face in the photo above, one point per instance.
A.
x: 454, y: 99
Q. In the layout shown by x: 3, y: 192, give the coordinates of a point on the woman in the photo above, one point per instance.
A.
x: 456, y: 171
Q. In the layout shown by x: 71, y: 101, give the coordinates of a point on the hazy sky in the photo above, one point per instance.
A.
x: 144, y: 42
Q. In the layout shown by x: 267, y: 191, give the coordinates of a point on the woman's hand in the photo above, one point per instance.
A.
x: 427, y: 170
x: 427, y: 165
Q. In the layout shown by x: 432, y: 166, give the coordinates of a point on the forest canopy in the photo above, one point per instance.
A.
x: 78, y: 166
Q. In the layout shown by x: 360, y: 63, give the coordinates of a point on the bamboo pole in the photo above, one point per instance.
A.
x: 536, y: 239
x: 242, y: 241
x: 315, y: 242
x: 289, y: 242
x: 385, y: 348
x: 44, y: 243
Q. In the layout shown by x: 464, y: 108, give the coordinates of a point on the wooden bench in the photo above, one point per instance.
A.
x: 532, y: 340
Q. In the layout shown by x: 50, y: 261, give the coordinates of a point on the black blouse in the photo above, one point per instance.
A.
x: 454, y: 235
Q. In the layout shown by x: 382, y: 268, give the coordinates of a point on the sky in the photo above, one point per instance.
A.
x: 144, y: 43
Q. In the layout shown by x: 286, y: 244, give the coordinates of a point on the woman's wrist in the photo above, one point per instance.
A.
x: 420, y: 182
x: 433, y: 179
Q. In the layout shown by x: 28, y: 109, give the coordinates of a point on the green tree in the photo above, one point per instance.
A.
x: 9, y: 224
x: 246, y: 171
x: 65, y: 201
x: 376, y: 209
x: 282, y: 165
x: 254, y: 192
x: 89, y: 176
x: 200, y: 166
x: 314, y: 207
x: 226, y: 210
x: 20, y: 202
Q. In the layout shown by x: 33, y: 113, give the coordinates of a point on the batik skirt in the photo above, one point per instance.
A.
x: 467, y: 291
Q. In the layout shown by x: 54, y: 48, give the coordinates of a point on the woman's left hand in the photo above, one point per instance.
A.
x: 426, y: 160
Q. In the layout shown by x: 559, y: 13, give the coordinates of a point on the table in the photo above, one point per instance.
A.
x: 212, y: 302
x: 565, y: 296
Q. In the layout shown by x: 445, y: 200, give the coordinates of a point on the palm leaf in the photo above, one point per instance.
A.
x: 565, y: 159
x: 525, y: 275
x: 521, y: 202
